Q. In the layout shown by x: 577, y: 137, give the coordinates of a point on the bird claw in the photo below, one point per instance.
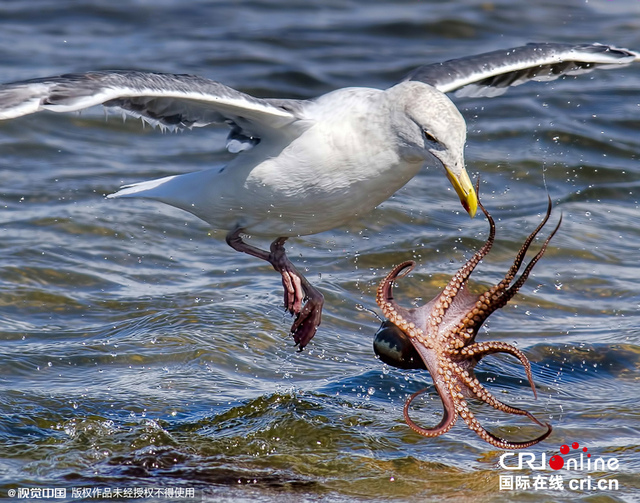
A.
x: 293, y: 292
x: 296, y: 287
x: 307, y: 321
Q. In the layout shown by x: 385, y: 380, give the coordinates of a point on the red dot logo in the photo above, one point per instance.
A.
x: 556, y: 462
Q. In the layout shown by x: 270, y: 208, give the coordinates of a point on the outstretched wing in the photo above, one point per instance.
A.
x: 492, y: 73
x: 161, y: 99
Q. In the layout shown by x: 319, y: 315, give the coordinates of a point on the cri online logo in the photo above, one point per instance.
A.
x: 557, y: 462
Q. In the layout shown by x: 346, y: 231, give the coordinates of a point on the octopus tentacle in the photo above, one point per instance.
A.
x: 467, y: 378
x: 498, y: 296
x: 513, y: 270
x: 502, y: 443
x: 397, y: 314
x: 525, y: 274
x: 460, y: 277
x: 479, y: 350
x: 384, y: 293
x: 449, y: 417
x: 485, y: 395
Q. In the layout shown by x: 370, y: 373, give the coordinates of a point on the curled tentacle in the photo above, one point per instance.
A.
x: 502, y: 443
x: 483, y: 394
x: 397, y: 314
x: 477, y: 390
x: 449, y: 417
x: 479, y: 350
x: 385, y: 289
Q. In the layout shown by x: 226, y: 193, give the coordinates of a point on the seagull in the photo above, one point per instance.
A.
x: 308, y: 166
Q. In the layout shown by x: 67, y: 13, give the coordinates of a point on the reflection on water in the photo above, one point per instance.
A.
x: 139, y: 351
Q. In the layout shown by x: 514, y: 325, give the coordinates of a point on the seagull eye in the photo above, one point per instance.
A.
x: 430, y: 137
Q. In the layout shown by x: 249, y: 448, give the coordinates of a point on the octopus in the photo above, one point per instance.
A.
x: 440, y: 337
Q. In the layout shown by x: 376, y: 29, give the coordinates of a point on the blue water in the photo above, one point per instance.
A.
x: 138, y: 351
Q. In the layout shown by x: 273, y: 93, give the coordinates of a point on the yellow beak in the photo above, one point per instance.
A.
x: 464, y: 188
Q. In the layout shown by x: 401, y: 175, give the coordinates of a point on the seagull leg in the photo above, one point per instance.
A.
x: 296, y: 287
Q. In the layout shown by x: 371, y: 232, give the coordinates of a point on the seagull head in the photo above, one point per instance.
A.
x: 431, y: 128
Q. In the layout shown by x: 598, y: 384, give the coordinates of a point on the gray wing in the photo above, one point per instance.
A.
x: 161, y: 99
x: 492, y: 73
